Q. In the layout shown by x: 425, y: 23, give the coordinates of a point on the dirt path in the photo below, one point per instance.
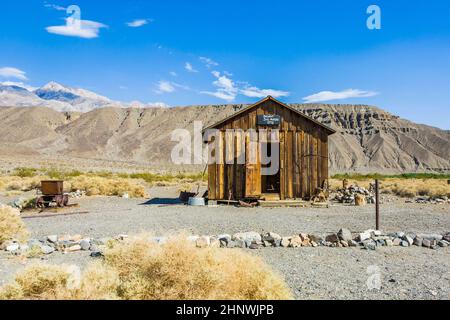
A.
x: 312, y: 273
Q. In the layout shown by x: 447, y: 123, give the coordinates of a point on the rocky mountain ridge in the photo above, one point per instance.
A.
x: 368, y: 139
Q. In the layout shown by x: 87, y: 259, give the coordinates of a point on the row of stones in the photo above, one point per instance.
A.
x: 369, y: 239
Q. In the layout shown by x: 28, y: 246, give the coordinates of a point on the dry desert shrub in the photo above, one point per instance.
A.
x: 402, y: 187
x: 107, y: 186
x: 178, y: 270
x: 16, y: 183
x: 417, y: 187
x: 139, y: 269
x: 11, y: 225
x: 52, y: 282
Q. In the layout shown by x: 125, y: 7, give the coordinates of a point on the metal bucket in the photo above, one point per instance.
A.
x: 196, y: 201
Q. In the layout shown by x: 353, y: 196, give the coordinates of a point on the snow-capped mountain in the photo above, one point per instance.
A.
x: 60, y: 98
x: 79, y: 99
x: 56, y: 91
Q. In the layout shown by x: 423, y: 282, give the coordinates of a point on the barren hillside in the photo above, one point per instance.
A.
x: 368, y: 139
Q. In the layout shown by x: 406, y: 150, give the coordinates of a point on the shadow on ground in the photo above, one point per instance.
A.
x: 162, y: 201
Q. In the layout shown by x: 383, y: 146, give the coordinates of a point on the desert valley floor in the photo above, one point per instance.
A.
x: 312, y: 273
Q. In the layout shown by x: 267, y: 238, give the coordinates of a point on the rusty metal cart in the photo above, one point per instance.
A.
x: 52, y: 194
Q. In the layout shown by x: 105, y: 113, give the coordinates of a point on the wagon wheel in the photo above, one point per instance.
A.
x: 59, y: 201
x: 65, y: 200
x: 40, y: 202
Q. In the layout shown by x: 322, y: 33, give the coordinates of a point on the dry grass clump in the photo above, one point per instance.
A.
x: 178, y: 270
x: 138, y: 269
x: 11, y: 225
x: 107, y: 186
x: 16, y: 183
x: 402, y: 187
x: 416, y: 187
x: 51, y: 282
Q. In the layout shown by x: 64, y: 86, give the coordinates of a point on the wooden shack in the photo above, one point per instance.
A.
x: 303, y: 154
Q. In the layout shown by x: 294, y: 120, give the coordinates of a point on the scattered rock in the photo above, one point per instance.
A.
x: 360, y: 200
x: 296, y: 242
x: 12, y: 247
x: 344, y: 243
x: 369, y: 244
x: 45, y: 249
x: 426, y: 243
x: 73, y: 248
x: 364, y: 236
x: 271, y: 237
x: 285, y: 242
x: 119, y: 237
x: 352, y: 243
x: 344, y: 234
x: 315, y: 238
x: 409, y: 240
x: 203, y: 242
x: 52, y: 238
x: 85, y: 244
x: 224, y: 237
x: 332, y: 238
x: 239, y: 243
x: 247, y: 236
x: 431, y: 237
x: 96, y: 254
x: 254, y: 246
x: 214, y: 242
x: 418, y: 241
x: 443, y: 243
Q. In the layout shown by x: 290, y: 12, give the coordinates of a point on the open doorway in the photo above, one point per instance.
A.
x: 270, y: 184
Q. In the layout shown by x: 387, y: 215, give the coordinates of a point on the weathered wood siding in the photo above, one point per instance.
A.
x: 303, y: 156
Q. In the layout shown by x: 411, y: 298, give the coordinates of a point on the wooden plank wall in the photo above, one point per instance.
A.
x: 303, y: 155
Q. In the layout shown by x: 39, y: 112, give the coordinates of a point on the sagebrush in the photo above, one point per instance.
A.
x: 402, y: 187
x: 139, y: 269
x: 11, y: 225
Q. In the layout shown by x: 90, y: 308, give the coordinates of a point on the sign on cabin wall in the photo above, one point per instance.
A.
x: 268, y: 120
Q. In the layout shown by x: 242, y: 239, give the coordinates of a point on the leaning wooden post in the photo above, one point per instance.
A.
x: 377, y: 205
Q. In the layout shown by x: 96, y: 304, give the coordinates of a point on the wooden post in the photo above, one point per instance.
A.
x: 377, y: 205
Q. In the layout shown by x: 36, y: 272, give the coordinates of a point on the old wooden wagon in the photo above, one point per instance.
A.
x: 303, y: 154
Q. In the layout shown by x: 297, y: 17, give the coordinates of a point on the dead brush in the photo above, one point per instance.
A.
x: 11, y: 225
x: 16, y: 183
x: 139, y: 269
x: 408, y: 188
x: 52, y: 282
x: 108, y: 186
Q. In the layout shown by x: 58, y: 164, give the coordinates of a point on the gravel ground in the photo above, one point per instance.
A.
x: 312, y: 273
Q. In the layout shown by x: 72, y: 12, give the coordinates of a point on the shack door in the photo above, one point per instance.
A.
x: 252, y: 167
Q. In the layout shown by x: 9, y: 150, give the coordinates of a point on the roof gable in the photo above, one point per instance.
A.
x: 255, y: 105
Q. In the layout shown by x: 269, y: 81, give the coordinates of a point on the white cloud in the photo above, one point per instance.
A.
x: 339, y: 95
x: 10, y: 72
x: 18, y: 84
x: 164, y: 87
x: 226, y: 88
x: 173, y: 73
x: 54, y: 6
x: 138, y: 23
x: 82, y: 28
x: 141, y: 105
x: 189, y: 67
x: 254, y: 92
x: 208, y: 62
x: 169, y: 87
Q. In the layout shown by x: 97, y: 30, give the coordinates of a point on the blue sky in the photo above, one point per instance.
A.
x: 211, y: 52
